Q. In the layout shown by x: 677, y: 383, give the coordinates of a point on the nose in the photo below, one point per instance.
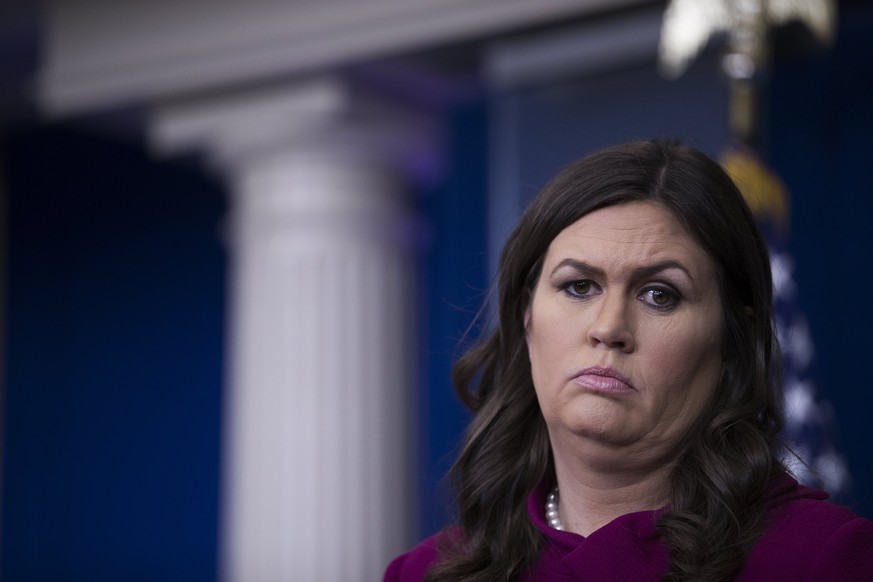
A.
x: 611, y: 327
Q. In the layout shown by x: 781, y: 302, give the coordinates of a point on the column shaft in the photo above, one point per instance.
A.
x: 318, y: 410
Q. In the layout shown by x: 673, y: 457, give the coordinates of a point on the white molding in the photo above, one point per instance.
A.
x: 325, y: 114
x: 240, y: 118
x: 105, y: 53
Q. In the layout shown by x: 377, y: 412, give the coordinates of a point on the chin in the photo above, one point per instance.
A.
x: 613, y: 432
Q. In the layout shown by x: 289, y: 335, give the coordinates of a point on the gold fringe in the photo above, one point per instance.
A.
x: 764, y: 191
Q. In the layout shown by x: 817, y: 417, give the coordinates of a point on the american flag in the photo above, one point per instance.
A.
x: 810, y: 429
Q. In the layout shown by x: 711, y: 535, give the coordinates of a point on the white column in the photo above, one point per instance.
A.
x: 317, y: 456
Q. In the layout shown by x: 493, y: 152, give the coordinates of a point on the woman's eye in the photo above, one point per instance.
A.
x: 660, y: 298
x: 579, y: 288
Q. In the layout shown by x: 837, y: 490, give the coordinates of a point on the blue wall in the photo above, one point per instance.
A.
x: 112, y: 410
x: 454, y: 283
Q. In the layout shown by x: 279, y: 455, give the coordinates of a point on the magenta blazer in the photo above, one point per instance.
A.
x: 806, y: 538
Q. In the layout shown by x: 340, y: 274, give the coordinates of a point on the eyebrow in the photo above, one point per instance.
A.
x: 638, y: 273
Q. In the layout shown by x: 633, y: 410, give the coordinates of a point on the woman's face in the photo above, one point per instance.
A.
x: 624, y: 332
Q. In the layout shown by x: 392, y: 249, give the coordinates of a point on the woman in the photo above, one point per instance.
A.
x: 627, y: 403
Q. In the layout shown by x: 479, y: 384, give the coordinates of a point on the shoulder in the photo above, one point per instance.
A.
x: 808, y: 538
x: 414, y: 564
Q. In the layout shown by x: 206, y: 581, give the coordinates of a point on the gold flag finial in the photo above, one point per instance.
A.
x: 689, y: 24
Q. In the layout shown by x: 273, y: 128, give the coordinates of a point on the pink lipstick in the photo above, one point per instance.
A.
x: 604, y: 380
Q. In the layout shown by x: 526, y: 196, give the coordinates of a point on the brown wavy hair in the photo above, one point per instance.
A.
x: 715, y: 492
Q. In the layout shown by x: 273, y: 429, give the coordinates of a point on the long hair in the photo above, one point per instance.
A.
x: 715, y: 491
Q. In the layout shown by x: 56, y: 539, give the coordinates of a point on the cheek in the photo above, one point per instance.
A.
x: 685, y: 343
x: 678, y: 345
x: 553, y: 344
x: 551, y: 339
x: 688, y: 368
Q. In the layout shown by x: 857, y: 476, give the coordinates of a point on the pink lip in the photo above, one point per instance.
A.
x: 605, y: 380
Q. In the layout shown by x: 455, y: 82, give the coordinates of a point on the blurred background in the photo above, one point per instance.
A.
x: 241, y: 245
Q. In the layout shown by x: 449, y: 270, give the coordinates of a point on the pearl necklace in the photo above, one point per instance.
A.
x: 552, y: 509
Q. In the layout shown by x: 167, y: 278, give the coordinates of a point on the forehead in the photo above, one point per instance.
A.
x: 632, y: 231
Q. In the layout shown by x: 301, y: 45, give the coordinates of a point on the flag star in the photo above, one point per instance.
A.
x: 833, y: 471
x: 800, y: 407
x: 798, y: 343
x: 782, y: 267
x: 781, y: 332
